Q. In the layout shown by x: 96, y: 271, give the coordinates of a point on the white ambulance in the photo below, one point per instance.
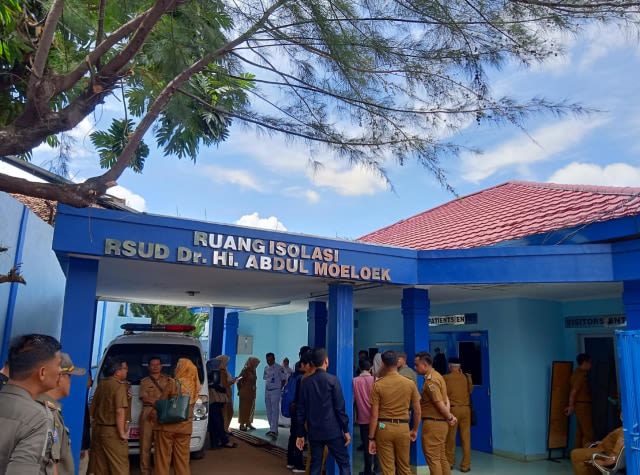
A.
x: 167, y: 342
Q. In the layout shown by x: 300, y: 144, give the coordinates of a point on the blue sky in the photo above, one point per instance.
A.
x: 262, y: 181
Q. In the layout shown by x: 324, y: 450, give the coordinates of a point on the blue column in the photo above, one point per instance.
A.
x: 415, y: 319
x: 216, y: 331
x: 78, y: 326
x: 628, y: 347
x: 13, y: 289
x: 231, y: 323
x: 340, y: 346
x: 631, y: 300
x: 317, y: 323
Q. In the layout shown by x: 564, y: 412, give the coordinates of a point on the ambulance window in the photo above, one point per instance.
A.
x: 471, y: 360
x: 137, y: 358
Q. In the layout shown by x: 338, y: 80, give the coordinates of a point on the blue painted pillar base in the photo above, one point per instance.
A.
x: 216, y: 331
x: 628, y: 346
x: 340, y: 348
x: 78, y: 326
x: 231, y: 323
x: 415, y: 319
x: 317, y: 324
x: 631, y: 300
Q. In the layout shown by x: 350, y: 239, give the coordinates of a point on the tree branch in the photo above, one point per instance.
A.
x: 45, y: 42
x: 66, y: 82
x: 170, y: 89
x: 75, y: 194
x: 12, y: 276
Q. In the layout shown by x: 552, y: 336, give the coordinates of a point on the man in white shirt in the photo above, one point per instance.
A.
x: 275, y: 378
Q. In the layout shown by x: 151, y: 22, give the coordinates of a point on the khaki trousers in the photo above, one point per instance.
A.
x: 463, y: 414
x: 584, y: 424
x: 227, y: 414
x: 434, y: 441
x: 109, y: 454
x: 146, y: 440
x: 172, y: 450
x: 578, y: 457
x: 392, y: 445
x: 247, y: 408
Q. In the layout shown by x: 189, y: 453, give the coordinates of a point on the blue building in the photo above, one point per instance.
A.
x: 511, y: 279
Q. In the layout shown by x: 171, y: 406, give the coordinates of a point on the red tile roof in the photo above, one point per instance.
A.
x: 505, y: 212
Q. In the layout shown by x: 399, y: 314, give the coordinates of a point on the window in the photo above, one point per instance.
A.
x: 137, y: 357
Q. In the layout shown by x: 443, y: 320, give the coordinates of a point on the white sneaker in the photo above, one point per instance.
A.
x: 298, y: 470
x: 290, y: 466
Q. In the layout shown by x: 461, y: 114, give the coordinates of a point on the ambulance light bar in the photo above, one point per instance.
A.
x: 151, y: 327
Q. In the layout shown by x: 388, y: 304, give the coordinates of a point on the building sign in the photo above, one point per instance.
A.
x: 596, y: 321
x: 237, y: 252
x: 458, y: 319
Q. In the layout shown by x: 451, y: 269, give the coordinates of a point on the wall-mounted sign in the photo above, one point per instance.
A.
x: 458, y: 319
x: 596, y: 321
x: 238, y: 252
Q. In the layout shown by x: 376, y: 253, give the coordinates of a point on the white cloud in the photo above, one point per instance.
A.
x: 254, y: 220
x: 312, y: 196
x: 298, y: 192
x: 242, y: 178
x: 614, y: 174
x: 601, y: 41
x: 131, y: 199
x: 354, y: 181
x: 521, y: 152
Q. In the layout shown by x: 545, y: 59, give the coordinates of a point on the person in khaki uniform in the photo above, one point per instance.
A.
x: 109, y: 453
x: 610, y: 447
x: 580, y: 401
x: 151, y: 389
x: 389, y: 433
x: 61, y: 449
x: 247, y: 393
x: 436, y: 416
x: 172, y: 440
x: 459, y: 388
x: 26, y: 438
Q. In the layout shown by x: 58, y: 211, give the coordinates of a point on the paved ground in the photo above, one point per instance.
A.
x: 243, y: 460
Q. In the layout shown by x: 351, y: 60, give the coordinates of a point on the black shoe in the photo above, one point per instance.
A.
x: 465, y: 470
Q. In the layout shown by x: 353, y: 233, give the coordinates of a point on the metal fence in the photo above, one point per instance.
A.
x: 628, y: 343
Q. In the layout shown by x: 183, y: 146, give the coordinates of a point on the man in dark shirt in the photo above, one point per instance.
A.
x: 321, y: 407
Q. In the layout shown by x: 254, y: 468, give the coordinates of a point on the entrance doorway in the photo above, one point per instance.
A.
x: 473, y: 350
x: 603, y: 383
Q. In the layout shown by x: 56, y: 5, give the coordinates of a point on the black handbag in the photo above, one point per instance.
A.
x: 473, y: 416
x: 175, y: 409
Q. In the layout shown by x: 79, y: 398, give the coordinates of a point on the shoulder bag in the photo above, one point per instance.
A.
x: 174, y: 409
x: 473, y: 416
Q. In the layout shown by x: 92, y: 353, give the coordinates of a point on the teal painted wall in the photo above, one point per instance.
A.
x: 525, y: 336
x: 38, y: 306
x: 282, y: 335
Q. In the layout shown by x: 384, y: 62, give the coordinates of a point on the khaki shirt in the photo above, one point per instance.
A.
x: 150, y: 389
x: 61, y: 449
x: 434, y: 390
x: 580, y: 383
x: 110, y: 395
x: 459, y: 388
x: 26, y: 437
x: 394, y: 394
x: 409, y: 374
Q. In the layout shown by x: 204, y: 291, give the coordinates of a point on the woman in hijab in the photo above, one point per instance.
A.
x: 217, y: 399
x: 172, y: 440
x: 247, y: 393
x: 226, y: 381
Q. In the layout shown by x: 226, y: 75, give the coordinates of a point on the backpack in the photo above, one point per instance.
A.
x: 289, y: 395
